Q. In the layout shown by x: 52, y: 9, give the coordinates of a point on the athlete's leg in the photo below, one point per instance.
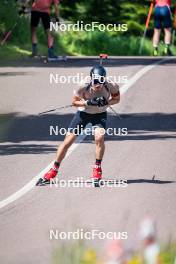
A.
x: 99, y: 143
x: 168, y: 35
x: 157, y: 30
x: 34, y: 41
x: 99, y: 125
x: 34, y: 34
x: 64, y: 146
x: 167, y: 41
x: 77, y: 121
x: 167, y: 30
x: 99, y: 152
x: 61, y: 152
x: 156, y: 37
x: 50, y: 38
x: 35, y: 18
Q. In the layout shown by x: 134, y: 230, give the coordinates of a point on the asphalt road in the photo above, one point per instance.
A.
x: 148, y: 111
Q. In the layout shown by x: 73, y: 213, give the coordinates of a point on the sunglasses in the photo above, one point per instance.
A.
x: 101, y: 80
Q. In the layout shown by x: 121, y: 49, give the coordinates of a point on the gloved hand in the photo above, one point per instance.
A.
x: 21, y: 11
x: 101, y: 101
x: 98, y: 101
x: 57, y: 19
x: 92, y: 102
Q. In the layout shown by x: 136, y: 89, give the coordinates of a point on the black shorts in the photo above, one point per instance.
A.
x: 36, y: 16
x: 81, y: 119
x: 162, y: 16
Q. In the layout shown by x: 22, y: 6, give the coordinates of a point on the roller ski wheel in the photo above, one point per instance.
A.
x: 51, y: 174
x: 42, y: 182
x: 97, y: 183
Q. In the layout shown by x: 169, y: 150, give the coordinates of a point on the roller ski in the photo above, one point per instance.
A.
x: 54, y: 58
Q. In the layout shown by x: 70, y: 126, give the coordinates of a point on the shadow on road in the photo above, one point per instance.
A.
x: 149, y: 181
x: 11, y: 149
x: 107, y: 182
x: 17, y: 73
x: 144, y: 126
x: 18, y: 128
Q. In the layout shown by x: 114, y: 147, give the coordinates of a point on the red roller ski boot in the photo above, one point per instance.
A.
x: 51, y: 174
x: 97, y: 175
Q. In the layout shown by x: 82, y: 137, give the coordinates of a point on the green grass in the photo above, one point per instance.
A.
x: 75, y: 43
x: 79, y: 43
x: 93, y: 43
x: 13, y: 52
x: 168, y: 255
x: 74, y: 253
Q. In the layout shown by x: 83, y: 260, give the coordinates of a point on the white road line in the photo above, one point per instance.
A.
x: 30, y: 185
x: 139, y: 74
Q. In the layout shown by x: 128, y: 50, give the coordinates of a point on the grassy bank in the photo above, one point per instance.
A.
x: 80, y: 44
x: 75, y: 43
x: 122, y: 43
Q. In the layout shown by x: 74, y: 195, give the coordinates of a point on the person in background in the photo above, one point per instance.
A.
x: 41, y: 11
x: 151, y: 247
x: 162, y: 17
x: 115, y: 252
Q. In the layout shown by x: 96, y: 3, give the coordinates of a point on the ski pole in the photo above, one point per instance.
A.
x: 146, y: 26
x: 8, y: 33
x: 21, y: 12
x: 54, y: 109
x: 112, y: 109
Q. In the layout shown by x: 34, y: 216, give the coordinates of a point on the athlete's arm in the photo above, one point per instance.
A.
x: 78, y: 101
x: 115, y: 96
x: 114, y: 100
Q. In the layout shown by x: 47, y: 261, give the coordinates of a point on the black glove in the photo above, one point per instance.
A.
x: 101, y: 101
x: 21, y: 11
x: 98, y: 101
x: 92, y: 102
x: 57, y: 19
